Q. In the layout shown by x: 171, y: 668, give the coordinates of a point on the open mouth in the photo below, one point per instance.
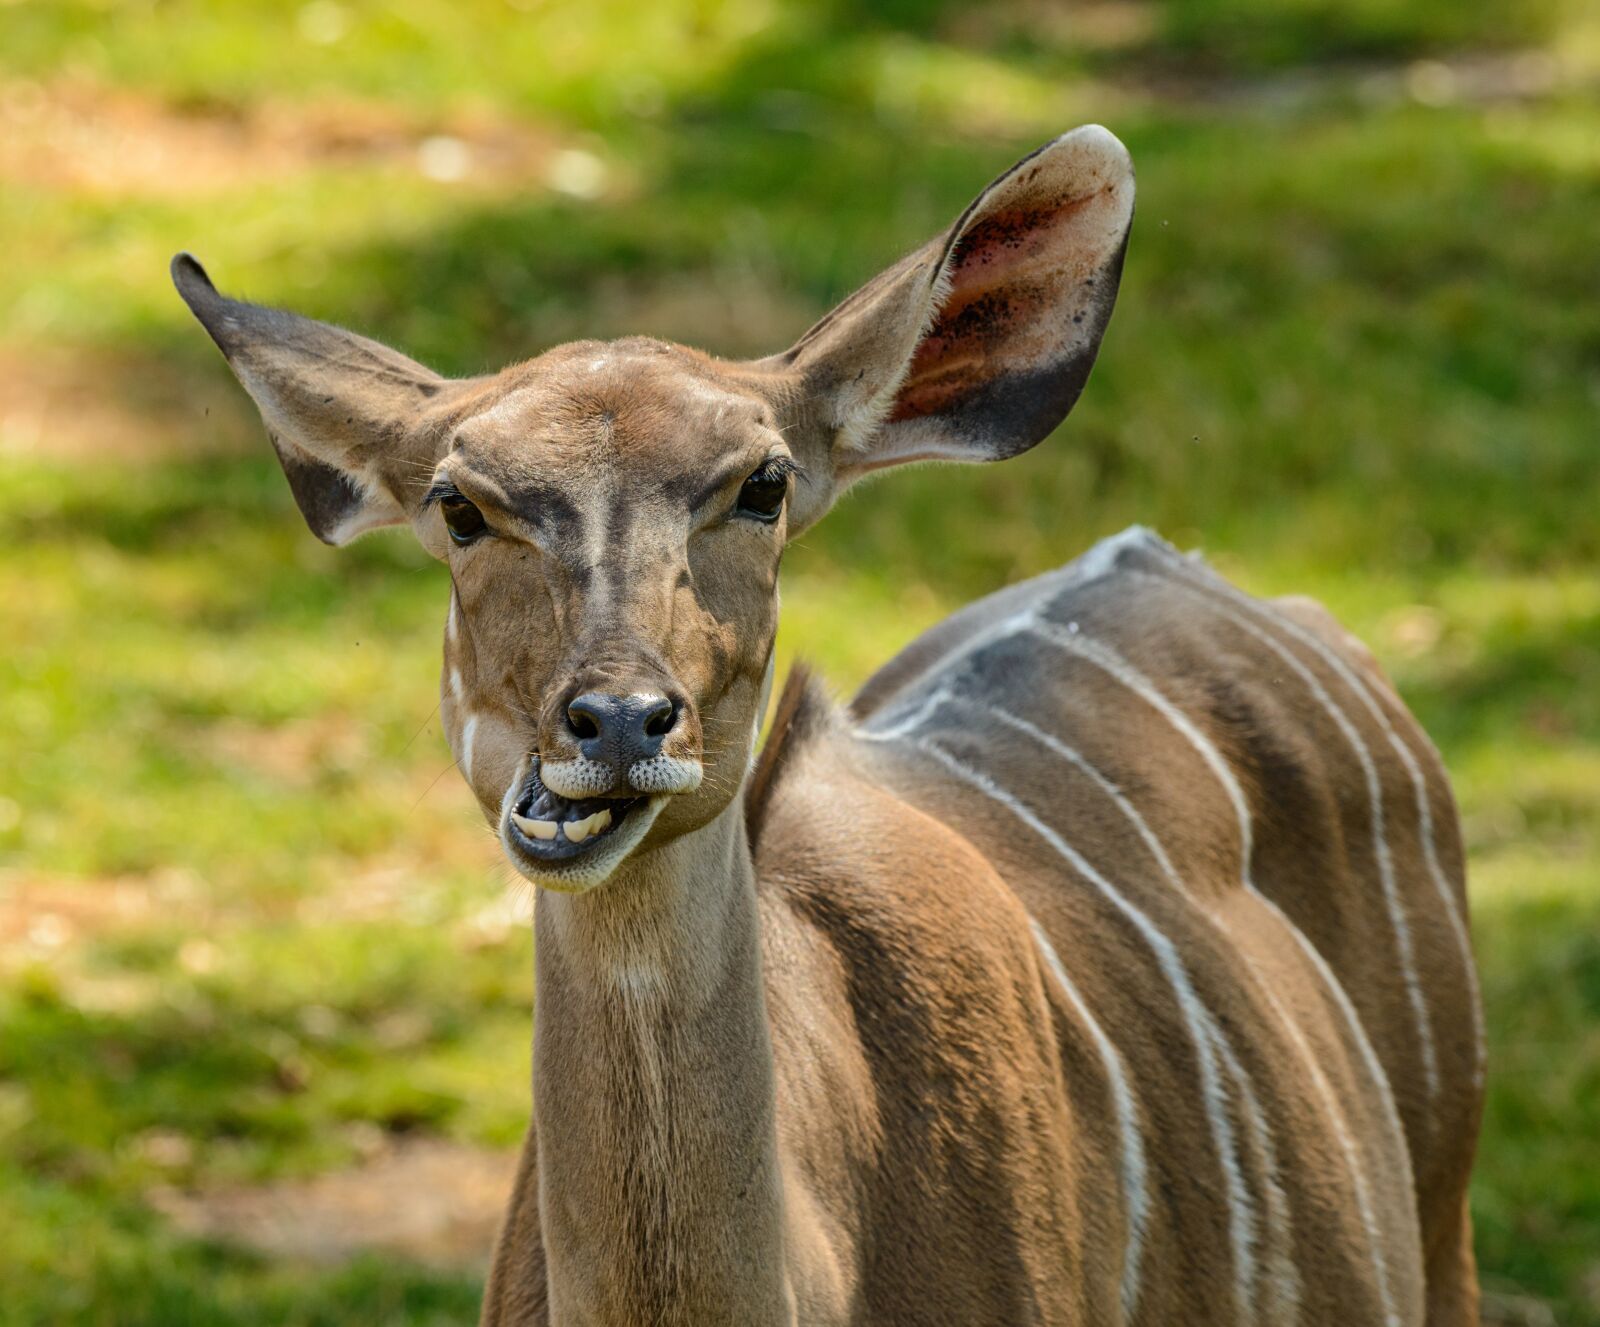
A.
x: 551, y: 828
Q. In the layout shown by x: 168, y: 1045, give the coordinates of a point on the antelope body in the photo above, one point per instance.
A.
x: 1104, y: 962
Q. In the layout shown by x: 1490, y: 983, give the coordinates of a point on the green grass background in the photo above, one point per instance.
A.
x: 1357, y: 355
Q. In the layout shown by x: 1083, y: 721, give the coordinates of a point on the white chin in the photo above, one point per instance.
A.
x: 593, y: 867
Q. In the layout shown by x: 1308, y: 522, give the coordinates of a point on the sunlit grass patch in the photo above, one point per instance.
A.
x: 250, y: 921
x: 1537, y: 928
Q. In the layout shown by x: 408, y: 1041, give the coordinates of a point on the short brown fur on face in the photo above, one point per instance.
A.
x: 608, y: 475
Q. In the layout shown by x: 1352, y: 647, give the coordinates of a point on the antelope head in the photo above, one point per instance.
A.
x: 613, y: 514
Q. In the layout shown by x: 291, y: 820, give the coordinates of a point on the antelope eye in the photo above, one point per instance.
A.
x: 762, y: 496
x: 461, y: 518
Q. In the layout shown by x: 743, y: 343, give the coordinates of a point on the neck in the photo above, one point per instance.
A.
x: 653, y: 1078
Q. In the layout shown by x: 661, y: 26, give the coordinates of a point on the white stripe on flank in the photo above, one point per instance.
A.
x: 911, y: 721
x: 1135, y: 1192
x: 1186, y: 573
x: 1341, y: 1129
x: 1109, y: 661
x: 1287, y: 1279
x: 1133, y: 1165
x: 1070, y: 639
x: 1380, y: 847
x: 1281, y: 1292
x: 912, y: 717
x: 1207, y: 1035
x: 1119, y: 668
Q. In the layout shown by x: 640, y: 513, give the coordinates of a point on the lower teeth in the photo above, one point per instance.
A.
x: 574, y: 831
x: 548, y: 815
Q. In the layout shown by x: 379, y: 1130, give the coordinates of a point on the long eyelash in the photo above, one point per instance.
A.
x: 439, y: 492
x: 778, y: 469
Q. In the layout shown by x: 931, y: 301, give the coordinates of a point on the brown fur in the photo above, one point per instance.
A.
x: 800, y: 717
x: 1104, y: 962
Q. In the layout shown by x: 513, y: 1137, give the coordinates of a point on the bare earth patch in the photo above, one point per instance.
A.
x: 53, y: 912
x: 117, y: 143
x: 424, y: 1200
x: 92, y: 142
x: 76, y: 403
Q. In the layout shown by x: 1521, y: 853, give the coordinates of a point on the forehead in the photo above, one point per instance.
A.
x: 639, y: 408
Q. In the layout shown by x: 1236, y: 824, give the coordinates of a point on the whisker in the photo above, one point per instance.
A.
x: 454, y: 764
x: 431, y: 715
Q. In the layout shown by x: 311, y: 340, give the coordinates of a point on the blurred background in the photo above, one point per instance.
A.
x: 265, y: 990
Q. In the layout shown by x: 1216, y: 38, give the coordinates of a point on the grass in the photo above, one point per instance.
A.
x: 243, y: 900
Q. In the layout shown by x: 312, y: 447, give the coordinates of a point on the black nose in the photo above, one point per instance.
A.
x: 621, y: 729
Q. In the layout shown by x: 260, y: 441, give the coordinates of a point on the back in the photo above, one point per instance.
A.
x: 1231, y: 836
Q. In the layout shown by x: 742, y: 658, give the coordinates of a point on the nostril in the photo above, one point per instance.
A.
x: 582, y: 719
x: 614, y: 727
x: 661, y: 719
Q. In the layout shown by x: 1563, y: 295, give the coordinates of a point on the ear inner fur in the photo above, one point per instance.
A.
x: 340, y: 408
x: 327, y: 497
x: 977, y: 345
x: 960, y: 366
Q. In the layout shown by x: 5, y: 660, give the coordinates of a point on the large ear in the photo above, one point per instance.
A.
x: 977, y: 345
x: 342, y: 411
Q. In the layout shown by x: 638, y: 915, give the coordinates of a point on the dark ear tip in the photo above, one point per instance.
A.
x: 191, y: 279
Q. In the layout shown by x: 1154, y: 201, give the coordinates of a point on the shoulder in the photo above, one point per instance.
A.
x: 827, y: 821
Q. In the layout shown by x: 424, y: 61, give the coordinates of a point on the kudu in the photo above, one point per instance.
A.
x: 1105, y: 961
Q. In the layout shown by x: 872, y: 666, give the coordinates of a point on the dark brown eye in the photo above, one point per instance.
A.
x: 763, y: 493
x: 461, y: 518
